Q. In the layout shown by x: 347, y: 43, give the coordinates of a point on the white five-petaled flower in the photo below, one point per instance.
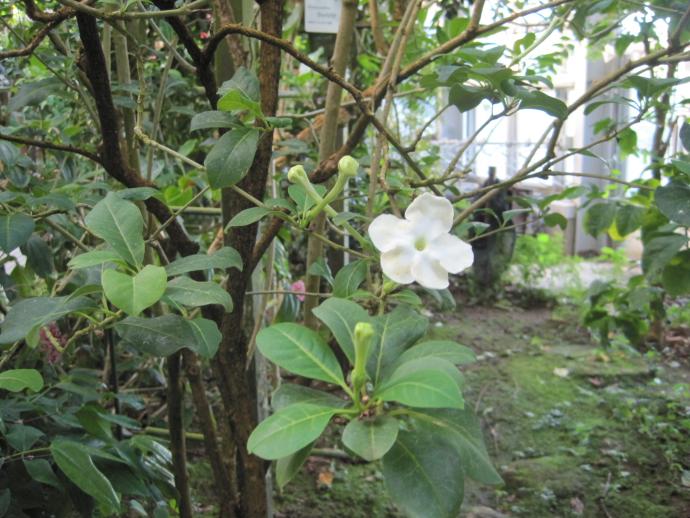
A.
x: 420, y: 247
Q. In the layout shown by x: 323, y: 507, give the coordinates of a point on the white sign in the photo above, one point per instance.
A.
x: 322, y: 16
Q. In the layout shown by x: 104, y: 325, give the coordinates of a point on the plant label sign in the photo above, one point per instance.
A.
x: 322, y: 16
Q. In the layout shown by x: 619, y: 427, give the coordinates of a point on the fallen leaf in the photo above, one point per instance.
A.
x: 561, y: 373
x: 325, y: 480
x: 577, y: 506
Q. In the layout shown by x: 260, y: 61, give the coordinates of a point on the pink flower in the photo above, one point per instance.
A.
x: 299, y: 287
x: 204, y: 35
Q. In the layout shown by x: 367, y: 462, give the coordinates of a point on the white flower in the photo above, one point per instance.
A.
x: 420, y: 247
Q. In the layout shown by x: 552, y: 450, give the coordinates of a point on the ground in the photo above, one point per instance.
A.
x: 574, y: 430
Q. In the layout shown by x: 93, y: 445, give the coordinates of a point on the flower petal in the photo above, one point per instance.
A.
x: 428, y: 272
x: 397, y: 264
x: 452, y: 252
x: 431, y: 214
x: 387, y: 232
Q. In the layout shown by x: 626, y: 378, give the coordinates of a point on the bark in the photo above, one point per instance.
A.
x: 236, y: 383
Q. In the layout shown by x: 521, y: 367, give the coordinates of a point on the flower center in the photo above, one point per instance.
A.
x: 420, y: 244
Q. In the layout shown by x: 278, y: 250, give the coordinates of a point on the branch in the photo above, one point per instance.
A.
x: 51, y: 145
x: 35, y: 41
x: 112, y: 158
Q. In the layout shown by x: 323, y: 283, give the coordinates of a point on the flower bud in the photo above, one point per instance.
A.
x: 348, y: 166
x: 364, y: 333
x: 297, y: 174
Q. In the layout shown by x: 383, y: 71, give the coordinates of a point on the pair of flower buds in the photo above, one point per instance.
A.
x: 419, y: 248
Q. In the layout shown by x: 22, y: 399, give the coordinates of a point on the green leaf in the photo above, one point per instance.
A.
x: 15, y: 230
x: 300, y: 351
x: 213, y: 119
x: 244, y: 81
x: 349, y: 278
x: 16, y: 380
x: 445, y: 349
x: 288, y: 467
x: 395, y: 333
x: 341, y: 316
x: 424, y: 476
x: 467, y: 97
x: 371, y: 438
x: 320, y: 268
x: 554, y: 219
x: 289, y: 430
x: 230, y: 158
x: 139, y: 193
x: 629, y: 219
x: 164, y: 335
x: 289, y: 394
x: 302, y: 200
x: 134, y: 294
x: 461, y: 429
x: 226, y: 257
x: 676, y: 274
x: 599, y: 218
x: 659, y: 251
x: 187, y: 292
x: 77, y: 465
x: 22, y: 437
x: 39, y: 256
x: 673, y: 201
x: 28, y: 314
x: 247, y: 217
x: 94, y: 258
x: 40, y: 471
x: 207, y: 337
x: 423, y: 383
x: 120, y: 224
x: 235, y: 100
x: 536, y: 100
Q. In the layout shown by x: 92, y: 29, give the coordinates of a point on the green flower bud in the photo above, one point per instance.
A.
x: 364, y: 333
x: 348, y: 166
x: 297, y: 174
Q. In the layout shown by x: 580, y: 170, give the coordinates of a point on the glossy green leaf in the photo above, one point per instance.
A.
x: 288, y: 467
x: 289, y: 394
x: 244, y: 81
x: 289, y: 430
x: 22, y: 437
x: 41, y: 471
x: 423, y: 383
x: 460, y: 428
x: 226, y: 257
x: 349, y: 278
x: 213, y: 119
x: 395, y: 333
x: 15, y: 230
x: 341, y: 316
x: 134, y: 294
x: 120, y: 224
x: 94, y: 258
x: 247, y: 217
x: 75, y: 462
x: 230, y: 158
x: 537, y: 100
x: 467, y: 97
x: 673, y: 201
x: 300, y: 351
x: 659, y: 250
x: 424, y: 476
x: 164, y: 335
x: 445, y: 349
x: 39, y: 256
x: 31, y: 313
x: 16, y: 380
x: 371, y: 438
x: 188, y: 292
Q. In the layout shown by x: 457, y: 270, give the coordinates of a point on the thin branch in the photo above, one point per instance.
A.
x: 51, y: 145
